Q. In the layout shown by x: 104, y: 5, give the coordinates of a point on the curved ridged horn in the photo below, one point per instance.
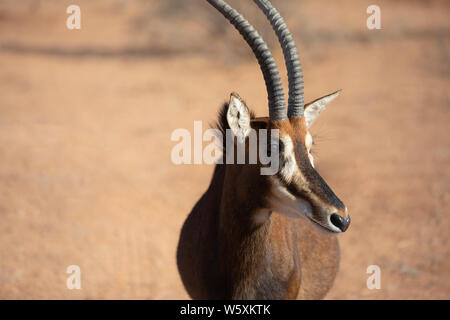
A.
x: 277, y: 108
x: 296, y: 104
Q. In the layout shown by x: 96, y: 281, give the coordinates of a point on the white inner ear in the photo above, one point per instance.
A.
x: 238, y: 118
x: 315, y: 108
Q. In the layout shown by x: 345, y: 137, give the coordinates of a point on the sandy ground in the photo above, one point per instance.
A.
x: 86, y: 118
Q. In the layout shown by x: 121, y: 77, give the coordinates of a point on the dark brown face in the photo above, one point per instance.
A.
x: 298, y: 187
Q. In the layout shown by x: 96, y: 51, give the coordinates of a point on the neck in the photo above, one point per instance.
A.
x: 243, y: 237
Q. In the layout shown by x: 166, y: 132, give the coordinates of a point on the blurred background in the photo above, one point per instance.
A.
x: 86, y: 117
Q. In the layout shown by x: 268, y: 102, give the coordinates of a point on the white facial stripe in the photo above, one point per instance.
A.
x: 290, y: 169
x: 311, y: 159
x: 308, y: 144
x: 308, y: 141
x: 290, y: 165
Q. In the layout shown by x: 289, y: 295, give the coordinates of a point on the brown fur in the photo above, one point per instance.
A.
x: 223, y: 254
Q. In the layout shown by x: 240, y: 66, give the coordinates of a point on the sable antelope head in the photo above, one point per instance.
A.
x: 296, y: 188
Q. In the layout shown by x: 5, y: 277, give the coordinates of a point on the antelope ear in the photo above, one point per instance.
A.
x: 315, y: 108
x: 238, y: 117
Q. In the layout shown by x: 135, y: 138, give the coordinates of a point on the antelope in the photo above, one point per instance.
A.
x: 253, y: 236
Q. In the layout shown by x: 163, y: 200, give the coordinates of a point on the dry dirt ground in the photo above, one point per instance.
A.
x: 86, y: 118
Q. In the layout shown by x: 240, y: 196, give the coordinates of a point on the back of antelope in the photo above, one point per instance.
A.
x: 254, y: 236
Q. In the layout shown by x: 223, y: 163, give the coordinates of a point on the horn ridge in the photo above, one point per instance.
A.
x: 296, y: 104
x: 275, y: 93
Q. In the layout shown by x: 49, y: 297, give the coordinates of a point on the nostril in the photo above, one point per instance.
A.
x: 340, y: 222
x: 336, y: 220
